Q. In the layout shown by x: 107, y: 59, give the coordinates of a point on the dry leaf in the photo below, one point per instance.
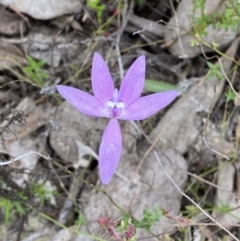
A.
x: 10, y: 56
x: 10, y: 23
x: 63, y: 21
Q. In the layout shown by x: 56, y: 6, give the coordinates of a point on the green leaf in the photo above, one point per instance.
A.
x: 230, y: 95
x: 158, y: 86
x: 19, y: 208
x: 98, y: 7
x: 8, y: 207
x: 150, y: 217
x: 35, y: 72
x: 214, y: 71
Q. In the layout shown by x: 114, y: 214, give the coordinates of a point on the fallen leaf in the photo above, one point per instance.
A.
x: 10, y: 23
x: 65, y: 20
x: 10, y: 56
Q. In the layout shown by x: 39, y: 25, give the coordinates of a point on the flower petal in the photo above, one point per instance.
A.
x: 133, y: 82
x: 82, y: 101
x: 110, y: 151
x: 102, y: 83
x: 148, y: 105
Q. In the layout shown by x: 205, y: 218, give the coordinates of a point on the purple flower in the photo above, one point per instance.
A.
x: 124, y: 104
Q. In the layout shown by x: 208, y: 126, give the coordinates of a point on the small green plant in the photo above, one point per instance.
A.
x: 195, y: 41
x: 35, y: 72
x: 98, y: 7
x: 40, y: 192
x: 125, y: 226
x: 81, y: 219
x: 230, y: 17
x: 223, y: 208
x: 214, y: 71
x: 150, y: 217
x: 9, y: 206
x: 15, y: 201
x: 230, y: 95
x: 11, y: 200
x: 191, y: 211
x: 128, y: 225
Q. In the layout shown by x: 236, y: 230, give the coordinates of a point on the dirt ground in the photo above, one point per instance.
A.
x: 179, y: 173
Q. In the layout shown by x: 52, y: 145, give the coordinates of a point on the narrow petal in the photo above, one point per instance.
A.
x: 133, y: 82
x: 110, y: 151
x: 102, y: 83
x: 82, y: 101
x: 148, y: 105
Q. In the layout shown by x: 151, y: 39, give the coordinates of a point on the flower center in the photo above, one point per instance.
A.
x: 115, y: 106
